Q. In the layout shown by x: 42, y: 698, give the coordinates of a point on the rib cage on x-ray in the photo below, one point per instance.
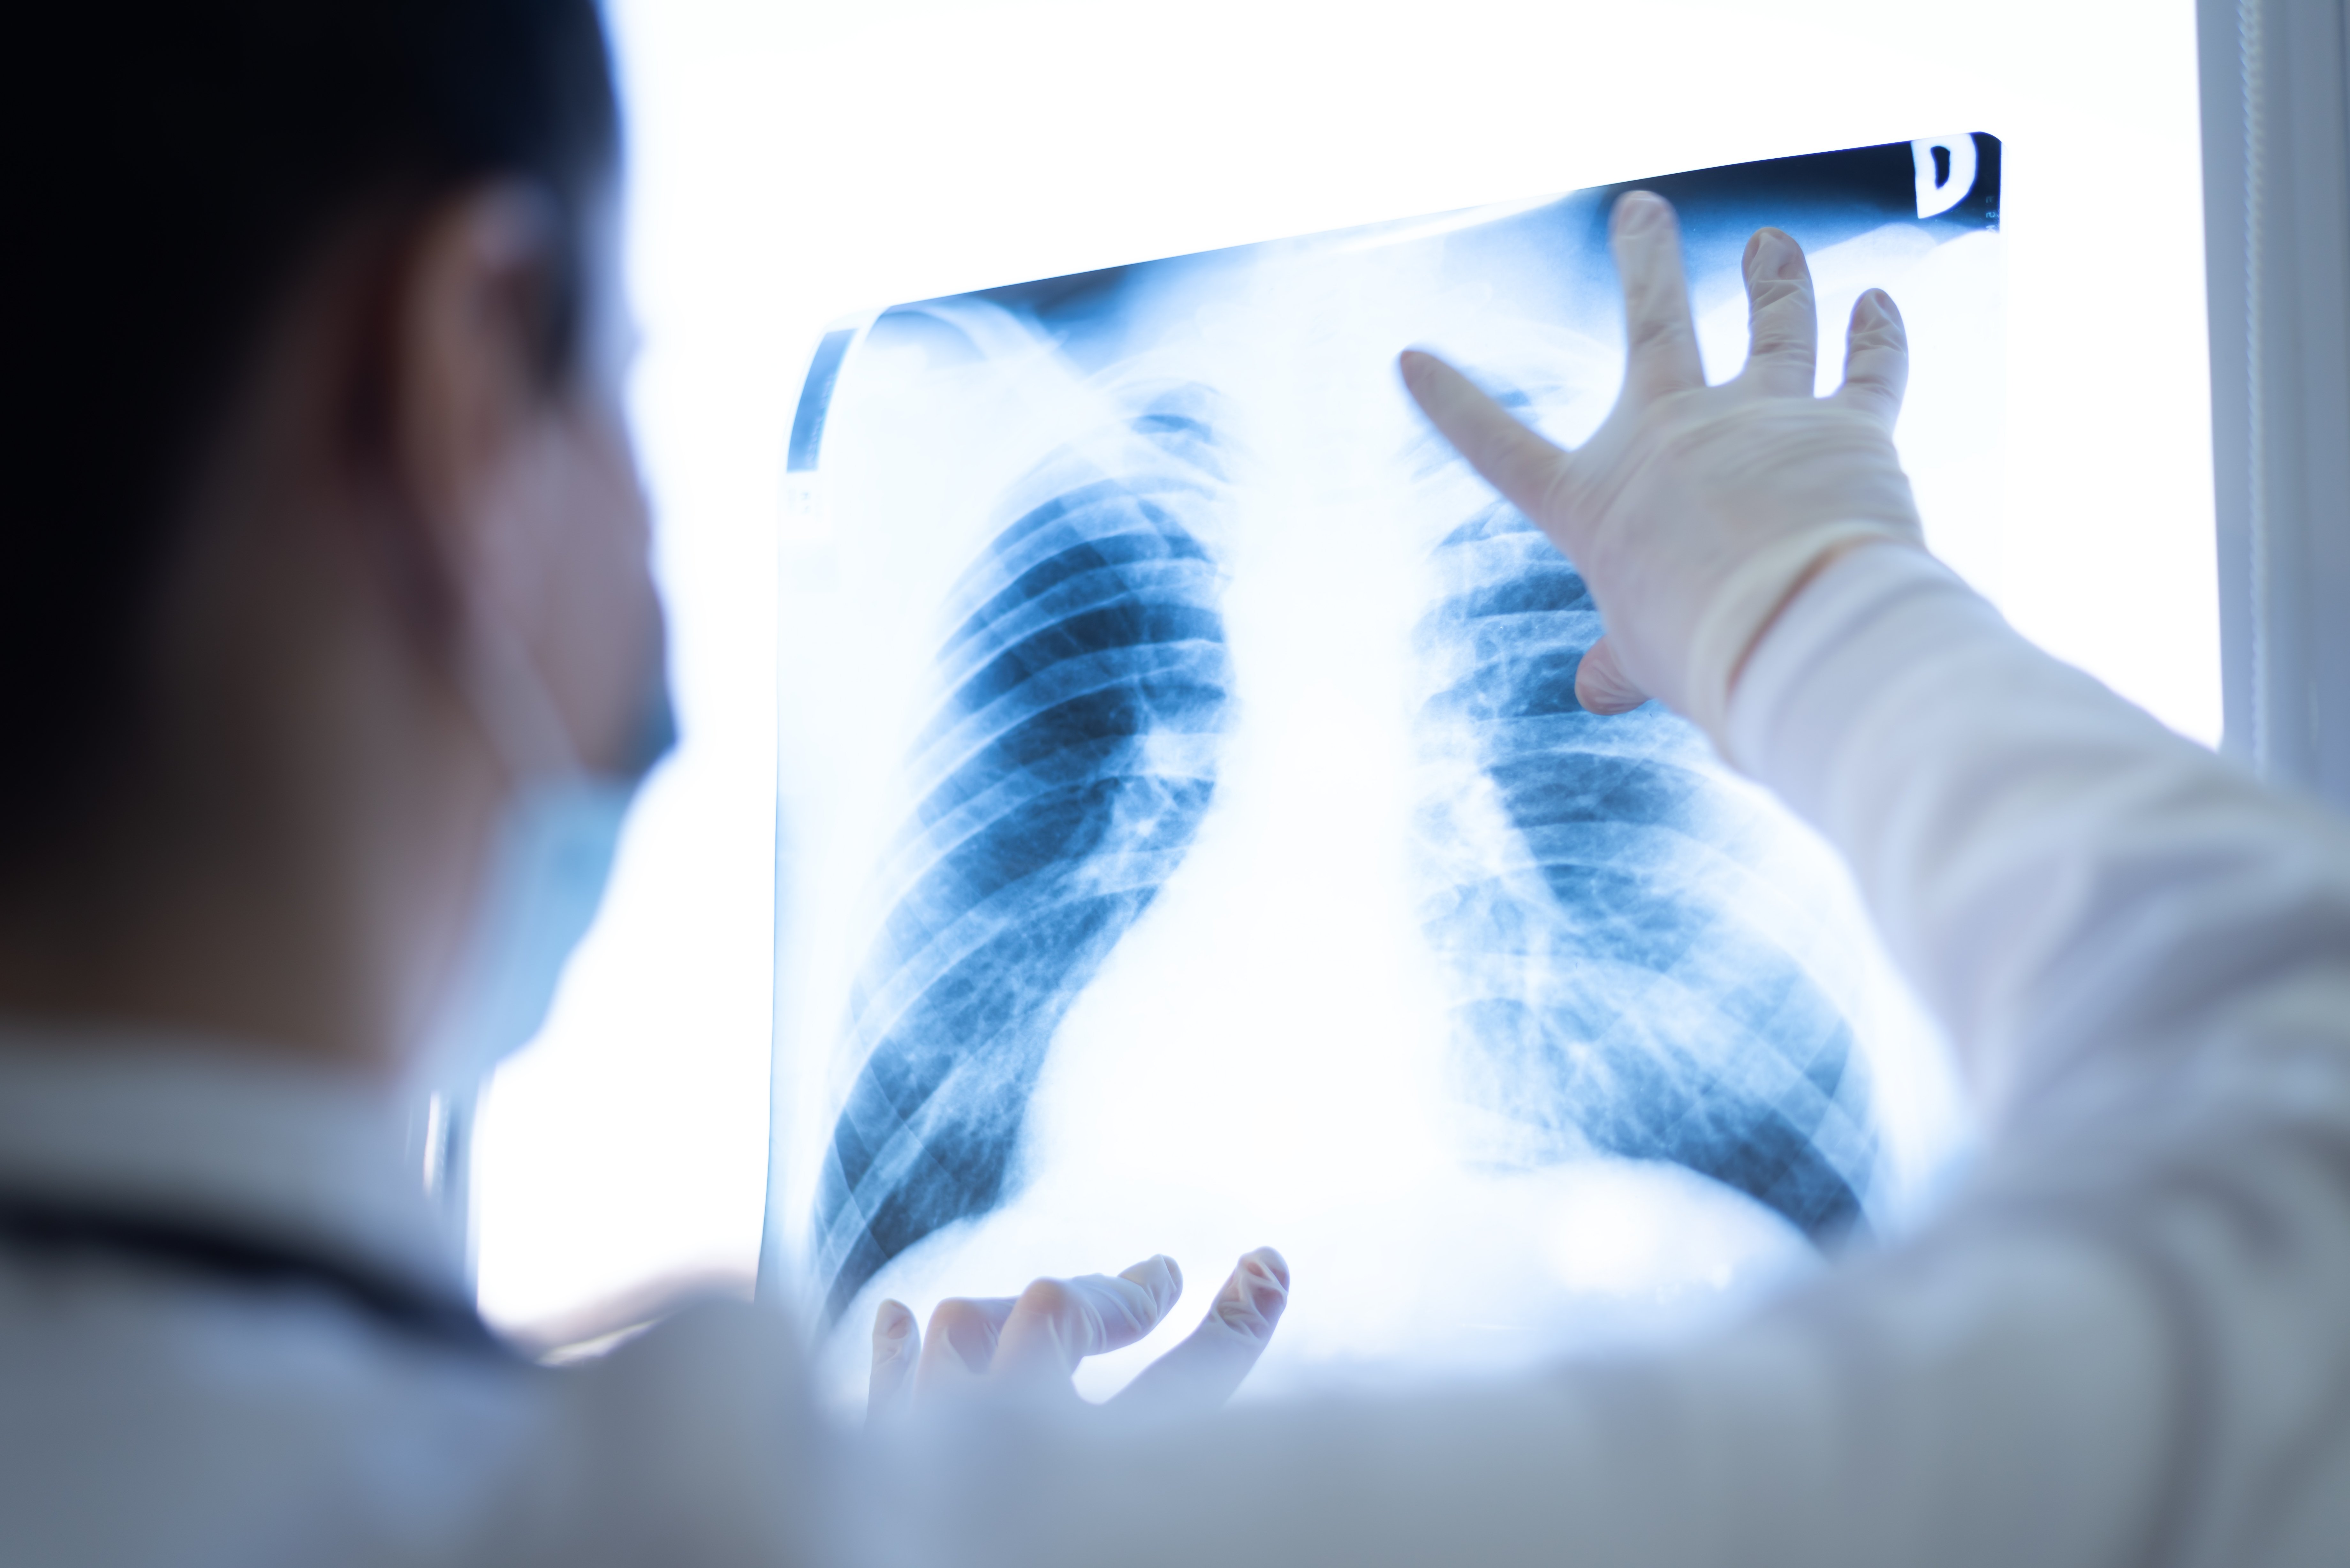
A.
x: 1386, y: 903
x: 1608, y: 1000
x: 1062, y: 779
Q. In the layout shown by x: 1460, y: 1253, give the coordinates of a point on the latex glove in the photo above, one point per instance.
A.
x: 1695, y: 512
x: 1030, y: 1343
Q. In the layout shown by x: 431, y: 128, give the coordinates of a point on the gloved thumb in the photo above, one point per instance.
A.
x: 1600, y: 683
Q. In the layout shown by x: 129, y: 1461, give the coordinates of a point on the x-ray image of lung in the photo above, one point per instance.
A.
x: 1192, y: 840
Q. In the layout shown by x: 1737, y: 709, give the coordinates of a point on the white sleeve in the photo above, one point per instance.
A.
x: 2070, y: 885
x: 2127, y: 1341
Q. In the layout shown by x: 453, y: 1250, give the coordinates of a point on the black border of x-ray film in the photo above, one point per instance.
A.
x: 1837, y: 194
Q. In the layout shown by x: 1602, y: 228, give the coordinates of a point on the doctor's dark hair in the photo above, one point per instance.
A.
x: 175, y: 168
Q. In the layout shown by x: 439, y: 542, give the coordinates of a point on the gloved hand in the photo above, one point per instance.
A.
x: 1695, y: 512
x: 1030, y: 1343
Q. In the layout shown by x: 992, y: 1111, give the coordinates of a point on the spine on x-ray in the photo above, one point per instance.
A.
x: 1607, y: 997
x: 1061, y: 782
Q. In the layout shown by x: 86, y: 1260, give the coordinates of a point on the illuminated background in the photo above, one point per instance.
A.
x: 794, y: 162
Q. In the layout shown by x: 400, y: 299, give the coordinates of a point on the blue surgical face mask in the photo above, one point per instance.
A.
x: 550, y: 859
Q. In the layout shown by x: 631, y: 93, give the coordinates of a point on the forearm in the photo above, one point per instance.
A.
x: 2068, y: 885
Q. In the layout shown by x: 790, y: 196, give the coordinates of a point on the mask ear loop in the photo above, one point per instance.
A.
x: 515, y: 710
x: 517, y: 716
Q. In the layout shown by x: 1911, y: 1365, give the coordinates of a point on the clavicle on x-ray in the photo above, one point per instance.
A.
x: 1192, y: 840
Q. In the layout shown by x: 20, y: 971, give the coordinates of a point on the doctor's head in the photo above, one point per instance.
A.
x: 323, y: 535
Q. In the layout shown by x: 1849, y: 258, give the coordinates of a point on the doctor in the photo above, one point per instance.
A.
x: 329, y: 657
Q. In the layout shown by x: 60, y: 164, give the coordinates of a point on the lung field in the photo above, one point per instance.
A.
x: 1608, y: 996
x: 1064, y: 778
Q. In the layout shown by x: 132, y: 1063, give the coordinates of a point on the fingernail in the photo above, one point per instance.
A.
x: 1272, y: 1264
x: 1161, y: 1275
x: 1255, y: 1306
x: 1638, y: 211
x: 1773, y: 254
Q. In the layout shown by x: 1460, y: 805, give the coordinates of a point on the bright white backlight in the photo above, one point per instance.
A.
x: 793, y: 165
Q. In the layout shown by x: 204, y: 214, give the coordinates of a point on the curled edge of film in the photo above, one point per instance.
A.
x: 807, y: 518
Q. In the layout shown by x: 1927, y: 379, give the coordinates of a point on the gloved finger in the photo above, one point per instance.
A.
x: 1600, y: 683
x: 1782, y: 323
x: 897, y: 1342
x: 1513, y: 460
x: 1058, y: 1323
x: 1661, y: 336
x: 1876, y: 358
x: 1202, y: 1371
x: 961, y: 1345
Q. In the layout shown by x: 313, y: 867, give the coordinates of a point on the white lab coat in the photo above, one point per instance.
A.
x: 2127, y: 1340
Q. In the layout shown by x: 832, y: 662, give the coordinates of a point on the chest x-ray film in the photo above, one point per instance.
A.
x: 1192, y: 840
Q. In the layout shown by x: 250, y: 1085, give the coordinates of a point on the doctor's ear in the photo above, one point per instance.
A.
x: 477, y: 363
x: 518, y: 517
